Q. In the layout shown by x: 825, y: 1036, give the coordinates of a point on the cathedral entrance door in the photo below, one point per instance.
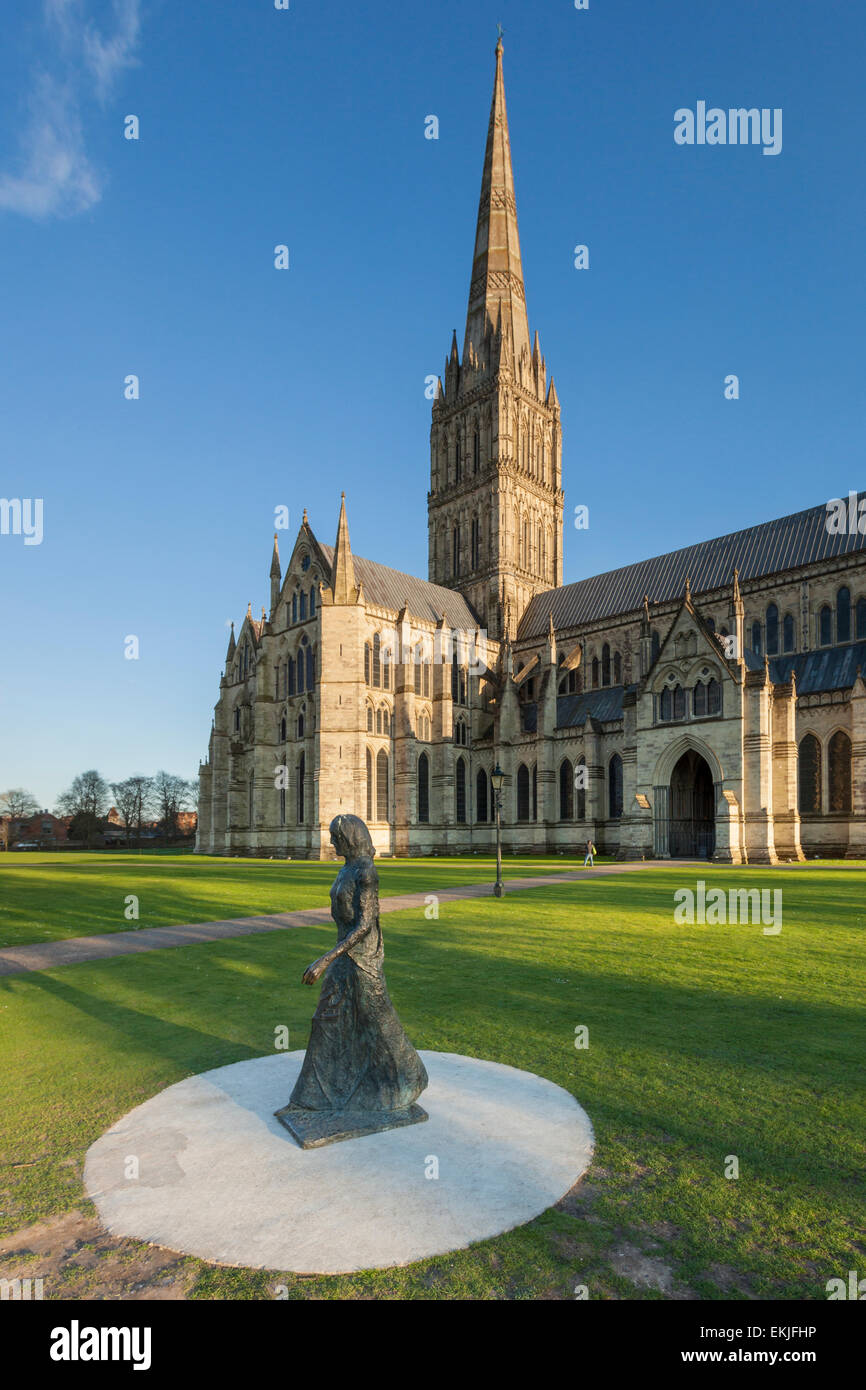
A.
x: 692, y: 825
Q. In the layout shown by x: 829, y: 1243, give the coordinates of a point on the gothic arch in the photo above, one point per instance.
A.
x: 671, y: 755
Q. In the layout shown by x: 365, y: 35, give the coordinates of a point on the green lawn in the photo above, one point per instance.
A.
x: 49, y: 897
x: 705, y: 1042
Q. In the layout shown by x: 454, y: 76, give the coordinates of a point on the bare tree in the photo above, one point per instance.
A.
x: 86, y: 801
x: 144, y: 801
x: 131, y: 798
x: 18, y: 803
x: 171, y: 795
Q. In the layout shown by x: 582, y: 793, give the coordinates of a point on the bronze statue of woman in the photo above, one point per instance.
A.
x: 360, y: 1073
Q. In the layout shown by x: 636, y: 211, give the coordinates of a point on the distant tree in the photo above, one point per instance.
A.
x: 86, y: 801
x: 132, y: 798
x: 171, y: 795
x: 18, y: 803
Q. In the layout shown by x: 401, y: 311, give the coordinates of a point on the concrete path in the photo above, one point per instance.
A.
x: 18, y: 960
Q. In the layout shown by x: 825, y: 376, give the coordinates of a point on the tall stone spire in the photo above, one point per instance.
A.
x: 343, y: 575
x: 275, y: 577
x: 495, y: 505
x: 496, y: 294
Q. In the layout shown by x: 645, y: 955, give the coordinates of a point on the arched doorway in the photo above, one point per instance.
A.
x: 692, y: 824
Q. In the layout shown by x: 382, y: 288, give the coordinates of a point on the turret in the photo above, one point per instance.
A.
x: 736, y: 617
x: 275, y: 577
x: 343, y: 587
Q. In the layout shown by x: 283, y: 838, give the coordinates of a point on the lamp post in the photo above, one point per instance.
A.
x: 497, y: 777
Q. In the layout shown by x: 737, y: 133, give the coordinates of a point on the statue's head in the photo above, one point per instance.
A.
x: 351, y: 838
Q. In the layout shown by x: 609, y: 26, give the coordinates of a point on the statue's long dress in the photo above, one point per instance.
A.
x: 359, y: 1057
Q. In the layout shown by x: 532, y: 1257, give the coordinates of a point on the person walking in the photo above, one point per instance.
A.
x: 590, y: 851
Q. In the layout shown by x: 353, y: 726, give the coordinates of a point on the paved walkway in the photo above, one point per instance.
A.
x: 18, y: 960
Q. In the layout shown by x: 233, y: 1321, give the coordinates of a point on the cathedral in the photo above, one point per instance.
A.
x: 707, y: 703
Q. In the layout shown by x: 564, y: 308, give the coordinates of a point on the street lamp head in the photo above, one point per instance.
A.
x: 497, y: 777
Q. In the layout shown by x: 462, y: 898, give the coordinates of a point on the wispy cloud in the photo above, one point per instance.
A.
x: 53, y: 175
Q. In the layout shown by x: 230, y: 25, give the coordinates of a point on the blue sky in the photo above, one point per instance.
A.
x: 261, y: 388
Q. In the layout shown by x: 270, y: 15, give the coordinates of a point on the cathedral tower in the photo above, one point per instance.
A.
x: 495, y: 503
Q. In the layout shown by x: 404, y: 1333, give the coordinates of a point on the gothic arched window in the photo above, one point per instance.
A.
x: 580, y: 784
x: 523, y: 792
x: 313, y: 602
x: 756, y: 638
x: 382, y: 785
x: 460, y: 790
x: 369, y: 719
x: 294, y: 607
x: 614, y: 775
x: 839, y: 770
x: 809, y: 775
x: 843, y: 615
x: 595, y: 673
x: 311, y: 668
x: 291, y: 675
x: 369, y: 785
x: 455, y: 552
x: 367, y: 663
x: 605, y: 664
x: 481, y: 796
x: 417, y: 672
x: 679, y: 702
x: 825, y: 626
x: 772, y: 630
x: 617, y: 669
x: 476, y: 451
x: 714, y: 697
x: 700, y: 700
x: 378, y: 721
x: 377, y: 660
x: 665, y: 705
x: 423, y: 789
x: 861, y: 619
x: 566, y: 790
x: 302, y: 611
x: 787, y: 633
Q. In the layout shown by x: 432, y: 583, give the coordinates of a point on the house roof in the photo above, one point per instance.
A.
x: 831, y: 668
x: 387, y: 588
x: 789, y: 542
x: 605, y: 704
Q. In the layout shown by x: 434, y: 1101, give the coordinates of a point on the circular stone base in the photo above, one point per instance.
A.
x: 217, y: 1176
